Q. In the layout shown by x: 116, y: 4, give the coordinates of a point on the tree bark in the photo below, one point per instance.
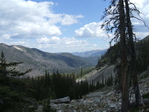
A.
x: 124, y: 65
x: 132, y: 53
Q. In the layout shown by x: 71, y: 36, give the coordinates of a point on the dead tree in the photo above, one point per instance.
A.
x: 119, y: 22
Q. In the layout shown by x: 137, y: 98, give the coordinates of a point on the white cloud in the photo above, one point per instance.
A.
x: 5, y: 36
x: 31, y: 19
x: 141, y: 35
x: 91, y: 30
x: 95, y: 45
x: 143, y: 6
x: 61, y: 43
x: 70, y: 19
x: 140, y: 3
x: 94, y: 29
x: 19, y: 42
x: 45, y: 40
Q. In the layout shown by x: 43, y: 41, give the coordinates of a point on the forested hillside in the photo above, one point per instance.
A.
x: 112, y: 55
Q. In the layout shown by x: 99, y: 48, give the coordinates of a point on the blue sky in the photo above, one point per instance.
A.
x: 59, y: 25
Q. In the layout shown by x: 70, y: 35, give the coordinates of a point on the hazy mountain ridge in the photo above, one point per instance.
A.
x: 39, y: 61
x: 93, y: 53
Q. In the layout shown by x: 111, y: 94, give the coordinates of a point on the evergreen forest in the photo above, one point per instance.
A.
x: 19, y: 94
x: 129, y: 57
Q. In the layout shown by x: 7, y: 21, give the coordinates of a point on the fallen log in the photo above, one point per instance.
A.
x: 61, y: 100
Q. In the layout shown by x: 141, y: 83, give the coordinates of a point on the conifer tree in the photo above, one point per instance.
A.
x: 12, y: 89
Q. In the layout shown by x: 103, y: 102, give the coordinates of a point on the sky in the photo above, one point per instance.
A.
x: 60, y: 25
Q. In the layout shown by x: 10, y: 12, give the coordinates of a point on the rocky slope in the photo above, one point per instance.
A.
x: 98, y: 75
x: 105, y: 100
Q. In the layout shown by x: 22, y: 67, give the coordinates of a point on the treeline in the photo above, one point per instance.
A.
x: 22, y: 94
x: 60, y: 85
x: 143, y: 56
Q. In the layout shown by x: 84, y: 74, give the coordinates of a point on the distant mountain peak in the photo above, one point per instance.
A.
x: 40, y: 61
x: 91, y: 53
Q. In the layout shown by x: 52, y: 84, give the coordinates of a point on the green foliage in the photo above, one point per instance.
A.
x: 12, y: 89
x: 134, y: 109
x: 110, y: 57
x: 143, y: 56
x: 99, y: 85
x: 145, y: 95
x: 50, y: 86
x: 47, y: 107
x: 144, y: 76
x: 110, y: 81
x: 8, y: 68
x: 59, y: 85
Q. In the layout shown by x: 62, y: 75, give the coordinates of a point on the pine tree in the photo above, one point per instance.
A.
x: 12, y: 89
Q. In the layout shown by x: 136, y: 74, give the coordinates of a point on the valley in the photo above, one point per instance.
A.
x: 40, y: 61
x: 95, y: 90
x: 74, y: 56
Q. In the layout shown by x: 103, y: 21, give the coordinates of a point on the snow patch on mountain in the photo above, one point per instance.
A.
x: 18, y: 48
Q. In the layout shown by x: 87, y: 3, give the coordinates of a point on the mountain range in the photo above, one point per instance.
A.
x: 40, y: 61
x: 92, y: 53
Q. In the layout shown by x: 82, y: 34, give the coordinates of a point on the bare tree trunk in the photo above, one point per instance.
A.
x: 132, y: 53
x: 125, y: 86
x: 124, y: 65
x: 121, y: 20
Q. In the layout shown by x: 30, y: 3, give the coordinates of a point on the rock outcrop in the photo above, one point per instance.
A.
x: 101, y: 101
